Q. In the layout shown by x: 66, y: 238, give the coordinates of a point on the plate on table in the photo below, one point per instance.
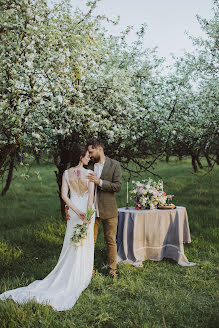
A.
x: 167, y: 207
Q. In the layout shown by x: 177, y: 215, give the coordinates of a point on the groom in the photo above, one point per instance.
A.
x: 107, y: 179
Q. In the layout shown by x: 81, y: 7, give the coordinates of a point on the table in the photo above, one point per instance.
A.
x: 152, y: 234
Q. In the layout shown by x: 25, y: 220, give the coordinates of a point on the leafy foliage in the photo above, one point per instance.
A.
x: 64, y: 79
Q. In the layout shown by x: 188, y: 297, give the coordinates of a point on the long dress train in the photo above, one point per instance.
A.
x: 73, y: 272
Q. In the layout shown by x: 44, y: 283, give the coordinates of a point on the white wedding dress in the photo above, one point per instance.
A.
x: 73, y: 272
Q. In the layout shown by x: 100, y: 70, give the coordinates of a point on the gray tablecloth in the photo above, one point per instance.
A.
x: 152, y: 234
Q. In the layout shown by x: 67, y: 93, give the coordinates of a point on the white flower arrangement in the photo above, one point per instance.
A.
x: 148, y: 194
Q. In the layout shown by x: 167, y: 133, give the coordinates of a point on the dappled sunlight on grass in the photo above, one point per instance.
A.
x: 51, y: 232
x: 9, y: 253
x: 40, y: 243
x: 32, y: 235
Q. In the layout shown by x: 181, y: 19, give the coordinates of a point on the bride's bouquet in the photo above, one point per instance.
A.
x: 148, y: 194
x: 80, y: 230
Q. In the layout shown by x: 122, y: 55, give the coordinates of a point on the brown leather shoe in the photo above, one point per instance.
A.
x: 113, y: 273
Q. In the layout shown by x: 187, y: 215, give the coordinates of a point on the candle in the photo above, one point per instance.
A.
x: 127, y: 193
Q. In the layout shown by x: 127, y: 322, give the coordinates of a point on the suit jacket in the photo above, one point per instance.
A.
x: 112, y: 181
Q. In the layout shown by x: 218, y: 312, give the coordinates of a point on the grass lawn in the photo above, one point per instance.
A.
x: 161, y: 294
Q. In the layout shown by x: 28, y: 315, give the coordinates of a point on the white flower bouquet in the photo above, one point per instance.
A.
x: 80, y: 230
x: 148, y: 194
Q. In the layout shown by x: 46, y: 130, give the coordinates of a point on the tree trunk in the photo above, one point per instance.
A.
x: 167, y: 157
x: 206, y: 154
x: 199, y: 162
x: 37, y: 157
x: 217, y: 158
x: 61, y: 166
x: 5, y: 152
x: 195, y: 168
x: 18, y: 156
x: 10, y: 175
x: 59, y: 174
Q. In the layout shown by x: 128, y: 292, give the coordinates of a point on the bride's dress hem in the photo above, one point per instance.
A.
x: 73, y: 272
x: 8, y: 295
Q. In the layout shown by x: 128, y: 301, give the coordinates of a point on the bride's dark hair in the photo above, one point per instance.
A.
x: 79, y: 152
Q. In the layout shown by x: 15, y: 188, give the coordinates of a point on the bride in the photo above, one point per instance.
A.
x: 73, y: 272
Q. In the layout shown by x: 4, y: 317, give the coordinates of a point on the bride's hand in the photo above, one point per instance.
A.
x: 88, y: 222
x: 81, y: 215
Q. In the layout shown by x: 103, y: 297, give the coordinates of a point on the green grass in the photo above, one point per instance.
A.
x: 161, y: 294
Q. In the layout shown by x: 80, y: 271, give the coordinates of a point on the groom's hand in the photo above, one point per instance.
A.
x: 93, y: 178
x: 67, y: 216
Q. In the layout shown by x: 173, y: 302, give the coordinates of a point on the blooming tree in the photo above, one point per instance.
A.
x: 64, y: 79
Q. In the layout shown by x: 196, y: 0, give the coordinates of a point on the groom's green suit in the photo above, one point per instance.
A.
x: 112, y: 180
x: 108, y: 212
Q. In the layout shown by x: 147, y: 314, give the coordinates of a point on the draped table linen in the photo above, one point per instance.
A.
x: 152, y: 234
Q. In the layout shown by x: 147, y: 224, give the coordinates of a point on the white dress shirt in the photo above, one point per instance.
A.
x: 98, y: 168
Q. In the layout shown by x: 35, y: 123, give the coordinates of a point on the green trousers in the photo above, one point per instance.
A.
x: 110, y: 230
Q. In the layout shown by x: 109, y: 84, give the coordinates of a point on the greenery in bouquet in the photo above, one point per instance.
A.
x: 80, y: 230
x: 148, y: 194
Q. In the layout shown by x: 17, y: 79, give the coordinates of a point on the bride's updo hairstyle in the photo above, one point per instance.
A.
x: 79, y: 152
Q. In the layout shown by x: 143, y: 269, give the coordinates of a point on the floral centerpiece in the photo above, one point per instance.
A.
x: 80, y: 230
x: 148, y: 194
